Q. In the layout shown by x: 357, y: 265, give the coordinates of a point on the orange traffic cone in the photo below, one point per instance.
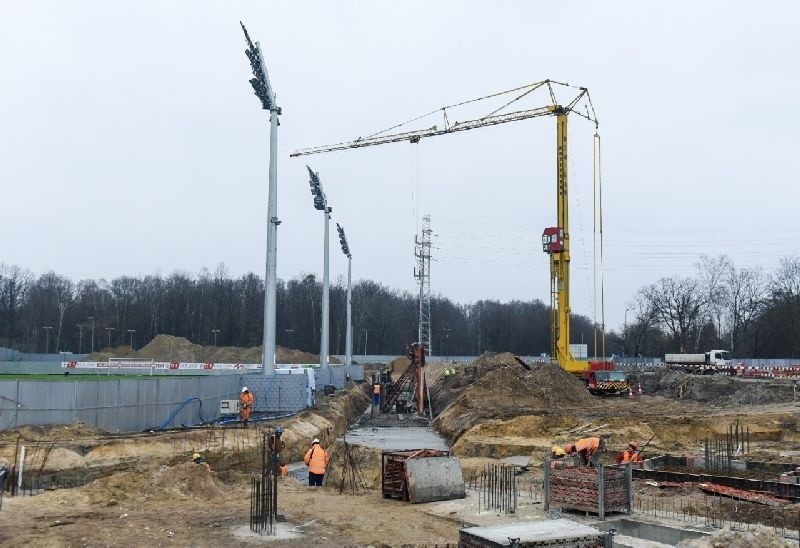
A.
x: 640, y: 389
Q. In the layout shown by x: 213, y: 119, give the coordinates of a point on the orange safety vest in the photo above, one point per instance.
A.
x: 587, y: 445
x: 629, y: 456
x: 316, y: 459
x: 246, y: 399
x: 376, y: 389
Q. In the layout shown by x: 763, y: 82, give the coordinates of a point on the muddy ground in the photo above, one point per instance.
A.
x: 141, y: 489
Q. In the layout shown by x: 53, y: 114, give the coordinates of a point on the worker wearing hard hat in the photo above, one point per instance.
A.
x: 631, y: 454
x: 556, y: 456
x: 197, y: 458
x: 245, y: 404
x: 317, y: 461
x: 588, y: 449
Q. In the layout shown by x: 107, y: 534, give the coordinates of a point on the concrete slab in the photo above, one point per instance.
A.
x: 538, y: 531
x: 517, y: 460
x: 283, y: 531
x: 398, y: 439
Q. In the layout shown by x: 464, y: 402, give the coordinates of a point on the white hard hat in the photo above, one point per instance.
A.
x: 244, y: 389
x: 315, y: 441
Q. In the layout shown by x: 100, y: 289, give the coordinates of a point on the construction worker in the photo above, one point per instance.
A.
x: 246, y: 404
x: 376, y: 395
x: 317, y: 461
x: 631, y: 454
x: 197, y: 458
x: 556, y: 455
x: 588, y: 449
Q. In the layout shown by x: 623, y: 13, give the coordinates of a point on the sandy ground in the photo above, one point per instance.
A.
x: 141, y: 490
x: 320, y: 516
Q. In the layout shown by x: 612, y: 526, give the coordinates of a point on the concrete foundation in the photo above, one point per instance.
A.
x: 550, y: 533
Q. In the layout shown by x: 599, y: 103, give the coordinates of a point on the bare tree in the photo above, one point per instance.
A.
x: 713, y: 274
x: 678, y: 305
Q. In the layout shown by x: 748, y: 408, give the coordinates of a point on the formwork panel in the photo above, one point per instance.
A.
x: 39, y: 403
x: 551, y: 534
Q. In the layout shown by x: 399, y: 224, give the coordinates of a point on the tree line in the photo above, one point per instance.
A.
x: 748, y: 311
x: 49, y: 313
x: 751, y: 312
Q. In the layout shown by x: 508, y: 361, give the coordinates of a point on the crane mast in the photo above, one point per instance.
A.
x: 555, y: 240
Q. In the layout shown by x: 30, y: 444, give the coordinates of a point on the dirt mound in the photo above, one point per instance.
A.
x: 502, y: 389
x: 717, y: 389
x: 184, y: 481
x: 363, y: 467
x: 758, y: 535
x: 56, y: 432
x: 180, y: 349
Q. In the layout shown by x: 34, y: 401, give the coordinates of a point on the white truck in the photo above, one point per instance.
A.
x: 713, y: 361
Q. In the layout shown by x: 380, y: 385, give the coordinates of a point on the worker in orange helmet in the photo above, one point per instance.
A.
x: 246, y: 404
x: 631, y: 454
x: 588, y: 449
x: 317, y: 461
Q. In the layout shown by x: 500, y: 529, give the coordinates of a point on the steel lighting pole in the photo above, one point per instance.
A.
x: 108, y: 331
x: 47, y: 329
x: 80, y: 338
x: 265, y: 93
x: 321, y: 204
x: 92, y: 318
x: 348, y: 343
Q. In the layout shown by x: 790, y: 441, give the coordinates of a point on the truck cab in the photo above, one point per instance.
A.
x: 718, y: 357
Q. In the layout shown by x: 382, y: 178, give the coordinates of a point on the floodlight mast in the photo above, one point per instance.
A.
x: 263, y: 90
x: 557, y: 249
x: 348, y: 343
x: 321, y: 204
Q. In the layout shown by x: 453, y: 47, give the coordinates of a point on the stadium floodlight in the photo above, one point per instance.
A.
x: 321, y: 204
x: 266, y: 95
x: 348, y: 343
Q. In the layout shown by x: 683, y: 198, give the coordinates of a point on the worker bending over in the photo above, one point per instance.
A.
x: 556, y: 455
x: 588, y: 449
x: 246, y: 404
x: 197, y: 458
x: 631, y: 454
x: 317, y: 461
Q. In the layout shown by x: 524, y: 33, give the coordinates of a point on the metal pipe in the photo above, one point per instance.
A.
x: 270, y: 278
x: 325, y: 325
x: 348, y: 345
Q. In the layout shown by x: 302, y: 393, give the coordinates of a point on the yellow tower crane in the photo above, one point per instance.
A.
x: 555, y: 240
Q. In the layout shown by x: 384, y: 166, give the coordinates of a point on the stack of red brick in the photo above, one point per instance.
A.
x: 578, y: 488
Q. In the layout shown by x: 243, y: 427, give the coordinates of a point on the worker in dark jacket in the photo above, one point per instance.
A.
x: 588, y: 449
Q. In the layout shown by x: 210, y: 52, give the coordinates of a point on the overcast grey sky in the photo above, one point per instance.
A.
x: 131, y: 143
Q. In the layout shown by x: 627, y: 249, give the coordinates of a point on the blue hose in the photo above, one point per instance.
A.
x: 180, y: 408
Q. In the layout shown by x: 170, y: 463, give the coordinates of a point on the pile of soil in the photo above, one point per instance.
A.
x: 501, y: 389
x: 758, y: 535
x: 360, y: 465
x: 184, y: 481
x: 180, y: 349
x: 720, y: 390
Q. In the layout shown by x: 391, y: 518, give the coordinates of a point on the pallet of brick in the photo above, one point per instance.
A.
x: 579, y: 488
x: 555, y: 533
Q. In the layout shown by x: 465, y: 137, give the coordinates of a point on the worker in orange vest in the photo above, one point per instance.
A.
x: 317, y: 461
x: 631, y: 454
x: 246, y: 405
x: 376, y: 395
x: 588, y: 449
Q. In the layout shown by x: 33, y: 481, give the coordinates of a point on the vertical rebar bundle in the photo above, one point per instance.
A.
x: 720, y: 452
x: 497, y: 488
x: 264, y: 491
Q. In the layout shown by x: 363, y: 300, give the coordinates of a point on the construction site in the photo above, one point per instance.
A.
x: 719, y: 464
x: 580, y: 443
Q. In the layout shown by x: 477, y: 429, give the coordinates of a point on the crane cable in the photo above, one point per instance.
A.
x: 599, y: 179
